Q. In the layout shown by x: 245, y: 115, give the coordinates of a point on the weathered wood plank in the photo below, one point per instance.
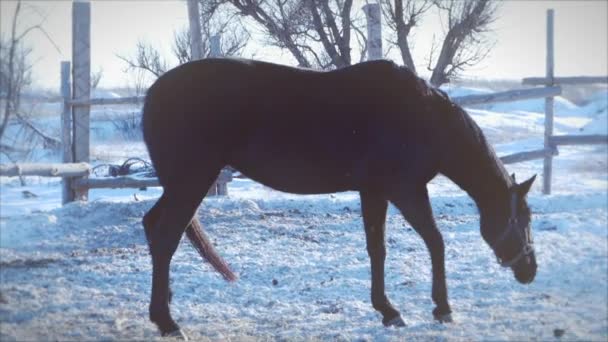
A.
x: 81, y: 78
x: 527, y: 156
x: 194, y: 19
x: 565, y: 80
x: 508, y: 96
x: 548, y: 162
x: 132, y: 182
x: 215, y: 46
x: 592, y: 139
x: 373, y: 15
x: 114, y: 182
x: 107, y: 101
x: 66, y: 131
x: 45, y: 170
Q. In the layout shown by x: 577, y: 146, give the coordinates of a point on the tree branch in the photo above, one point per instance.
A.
x: 462, y: 45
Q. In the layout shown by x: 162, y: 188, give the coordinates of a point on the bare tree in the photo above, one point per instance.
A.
x: 464, y: 44
x: 317, y: 33
x: 15, y: 76
x: 215, y: 19
x: 333, y: 34
x: 222, y: 20
x: 285, y: 23
x: 146, y: 58
x: 14, y: 70
x: 96, y: 78
x: 402, y: 18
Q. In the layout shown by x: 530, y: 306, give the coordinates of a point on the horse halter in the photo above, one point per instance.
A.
x: 525, y: 238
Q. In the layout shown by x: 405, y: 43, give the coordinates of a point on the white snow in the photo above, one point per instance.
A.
x: 82, y: 271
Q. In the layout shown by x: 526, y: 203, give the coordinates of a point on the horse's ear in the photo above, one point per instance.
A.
x: 523, y: 188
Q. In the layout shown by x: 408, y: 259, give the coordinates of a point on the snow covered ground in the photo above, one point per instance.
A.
x: 82, y: 272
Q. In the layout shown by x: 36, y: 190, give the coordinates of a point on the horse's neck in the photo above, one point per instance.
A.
x: 475, y: 168
x: 487, y: 188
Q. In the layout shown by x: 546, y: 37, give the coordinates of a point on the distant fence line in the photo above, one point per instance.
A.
x: 75, y: 115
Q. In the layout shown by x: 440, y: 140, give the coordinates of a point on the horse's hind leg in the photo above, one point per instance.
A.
x: 151, y: 218
x: 165, y: 225
x: 415, y: 206
x: 374, y: 209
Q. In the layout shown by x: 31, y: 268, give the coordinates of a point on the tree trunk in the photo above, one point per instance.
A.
x: 403, y: 31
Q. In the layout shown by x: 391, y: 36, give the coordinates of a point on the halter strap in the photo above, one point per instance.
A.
x: 512, y: 226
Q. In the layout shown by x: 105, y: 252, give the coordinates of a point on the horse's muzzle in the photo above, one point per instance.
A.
x: 525, y: 269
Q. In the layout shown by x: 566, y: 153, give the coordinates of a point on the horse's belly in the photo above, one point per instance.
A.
x: 297, y: 177
x: 298, y: 170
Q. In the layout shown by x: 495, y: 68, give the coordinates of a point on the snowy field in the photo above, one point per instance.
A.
x: 82, y: 271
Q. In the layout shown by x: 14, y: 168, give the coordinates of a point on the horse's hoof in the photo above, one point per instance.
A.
x: 395, y: 322
x: 176, y: 335
x: 447, y: 318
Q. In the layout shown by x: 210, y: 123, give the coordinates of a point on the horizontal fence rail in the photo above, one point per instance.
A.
x: 107, y: 101
x: 115, y: 182
x: 593, y: 139
x: 132, y: 182
x: 46, y: 170
x: 527, y: 156
x: 508, y: 96
x: 80, y: 170
x: 565, y: 80
x: 36, y: 98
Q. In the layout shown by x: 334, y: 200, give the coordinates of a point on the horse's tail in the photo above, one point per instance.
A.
x: 201, y: 243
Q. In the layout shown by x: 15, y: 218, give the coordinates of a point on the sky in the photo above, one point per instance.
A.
x: 581, y: 36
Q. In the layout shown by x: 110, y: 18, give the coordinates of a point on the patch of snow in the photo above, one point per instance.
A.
x: 314, y: 251
x: 561, y: 107
x: 597, y: 105
x: 599, y: 125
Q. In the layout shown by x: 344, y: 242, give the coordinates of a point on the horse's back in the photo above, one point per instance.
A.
x: 293, y: 129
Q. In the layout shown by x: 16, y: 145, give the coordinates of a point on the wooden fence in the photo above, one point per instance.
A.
x: 75, y: 115
x: 551, y: 142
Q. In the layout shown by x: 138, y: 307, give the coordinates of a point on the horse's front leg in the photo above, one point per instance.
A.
x: 416, y: 208
x: 374, y: 216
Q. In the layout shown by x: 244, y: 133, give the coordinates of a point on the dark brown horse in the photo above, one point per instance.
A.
x: 375, y: 128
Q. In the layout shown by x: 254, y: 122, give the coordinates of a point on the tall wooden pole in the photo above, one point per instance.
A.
x: 66, y: 130
x: 196, y: 49
x: 196, y: 41
x: 81, y: 78
x: 374, y: 31
x: 215, y: 49
x: 548, y: 162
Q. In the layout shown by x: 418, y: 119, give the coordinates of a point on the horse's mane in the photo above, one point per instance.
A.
x: 480, y: 148
x: 458, y: 125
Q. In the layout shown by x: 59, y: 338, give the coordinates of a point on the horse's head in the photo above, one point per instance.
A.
x: 508, y: 233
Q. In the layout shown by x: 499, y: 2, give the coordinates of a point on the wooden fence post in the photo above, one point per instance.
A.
x: 66, y: 130
x: 548, y: 161
x: 81, y: 78
x: 196, y: 49
x: 218, y: 188
x: 215, y: 49
x: 374, y: 31
x: 196, y: 40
